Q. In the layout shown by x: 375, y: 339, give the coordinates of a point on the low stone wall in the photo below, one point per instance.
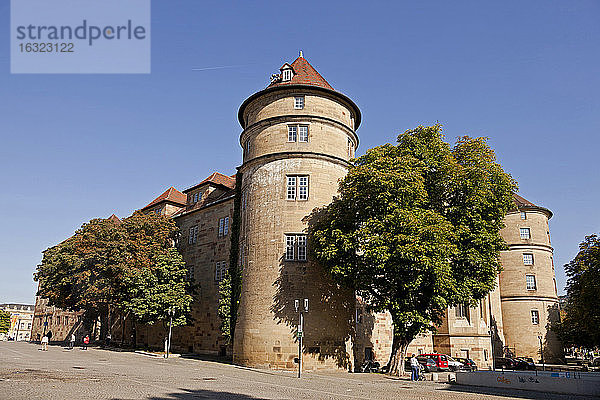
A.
x: 583, y: 383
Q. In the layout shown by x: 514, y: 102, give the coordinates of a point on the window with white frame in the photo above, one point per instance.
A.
x: 530, y: 282
x: 287, y: 75
x: 523, y: 215
x: 220, y: 270
x: 535, y: 317
x: 248, y: 147
x: 350, y: 149
x: 303, y: 133
x: 301, y: 247
x: 303, y: 188
x: 297, y: 187
x: 291, y: 187
x: 295, y: 247
x: 193, y: 237
x: 525, y: 233
x: 292, y: 133
x: 299, y: 102
x: 527, y: 259
x: 298, y: 133
x: 223, y: 226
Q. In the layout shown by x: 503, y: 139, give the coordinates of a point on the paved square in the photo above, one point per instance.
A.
x: 27, y: 373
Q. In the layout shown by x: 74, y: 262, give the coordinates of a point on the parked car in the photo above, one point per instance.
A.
x: 505, y: 363
x: 468, y: 364
x: 441, y: 360
x: 453, y: 364
x: 525, y: 363
x: 428, y: 364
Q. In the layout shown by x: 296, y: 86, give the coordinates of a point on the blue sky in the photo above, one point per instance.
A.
x: 524, y: 74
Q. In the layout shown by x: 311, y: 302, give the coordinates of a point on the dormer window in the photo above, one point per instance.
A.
x: 287, y: 75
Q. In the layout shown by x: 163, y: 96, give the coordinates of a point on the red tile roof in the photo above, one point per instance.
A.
x: 171, y: 194
x: 522, y: 202
x: 216, y: 178
x: 304, y: 74
x: 114, y: 219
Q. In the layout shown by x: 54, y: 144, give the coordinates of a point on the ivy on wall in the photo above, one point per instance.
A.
x: 231, y: 286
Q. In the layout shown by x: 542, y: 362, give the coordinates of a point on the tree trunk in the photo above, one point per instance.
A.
x: 396, y: 363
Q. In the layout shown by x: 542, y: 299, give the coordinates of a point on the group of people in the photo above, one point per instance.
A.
x: 46, y: 339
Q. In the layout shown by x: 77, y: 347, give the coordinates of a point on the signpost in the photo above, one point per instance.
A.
x: 300, y: 330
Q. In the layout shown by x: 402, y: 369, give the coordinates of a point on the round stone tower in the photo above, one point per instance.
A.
x: 298, y: 136
x: 527, y: 283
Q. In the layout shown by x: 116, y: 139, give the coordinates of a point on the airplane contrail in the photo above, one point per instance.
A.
x: 219, y: 67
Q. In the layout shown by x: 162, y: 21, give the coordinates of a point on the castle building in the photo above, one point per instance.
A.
x: 298, y: 136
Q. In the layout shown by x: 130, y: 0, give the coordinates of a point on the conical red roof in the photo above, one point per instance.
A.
x: 304, y: 74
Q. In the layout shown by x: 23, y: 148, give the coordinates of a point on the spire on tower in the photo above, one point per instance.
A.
x: 301, y: 55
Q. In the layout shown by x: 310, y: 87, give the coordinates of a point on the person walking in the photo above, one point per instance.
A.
x: 86, y: 341
x: 72, y: 341
x: 414, y: 366
x: 45, y: 343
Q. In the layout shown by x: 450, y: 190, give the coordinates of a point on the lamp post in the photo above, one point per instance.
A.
x: 492, y: 332
x: 542, y: 352
x: 171, y: 312
x: 300, y: 330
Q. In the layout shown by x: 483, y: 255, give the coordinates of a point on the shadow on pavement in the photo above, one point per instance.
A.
x: 514, y: 393
x: 202, y: 394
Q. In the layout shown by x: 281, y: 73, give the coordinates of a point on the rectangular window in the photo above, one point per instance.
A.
x: 525, y: 233
x: 195, y: 197
x: 527, y: 259
x: 190, y: 273
x: 462, y: 311
x: 523, y: 215
x: 289, y: 247
x: 193, y: 235
x: 291, y: 188
x: 221, y: 226
x: 303, y: 188
x: 225, y: 226
x: 220, y: 269
x: 292, y: 133
x: 299, y: 102
x: 350, y: 149
x: 535, y: 317
x: 301, y: 242
x: 287, y: 75
x: 303, y: 133
x: 530, y: 281
x: 297, y: 187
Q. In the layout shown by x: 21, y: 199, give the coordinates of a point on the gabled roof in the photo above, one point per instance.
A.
x: 172, y: 195
x: 114, y: 219
x: 524, y: 204
x: 216, y: 178
x: 304, y: 74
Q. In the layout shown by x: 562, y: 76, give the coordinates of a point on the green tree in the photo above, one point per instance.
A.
x: 130, y: 267
x: 581, y: 322
x: 4, y: 321
x: 415, y: 229
x: 84, y: 271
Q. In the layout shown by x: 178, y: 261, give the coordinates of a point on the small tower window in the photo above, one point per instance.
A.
x: 523, y: 215
x: 299, y: 102
x: 535, y: 317
x: 527, y: 259
x: 525, y: 233
x: 287, y: 75
x: 292, y: 133
x: 530, y: 281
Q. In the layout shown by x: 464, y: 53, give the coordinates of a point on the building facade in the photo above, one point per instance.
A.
x: 298, y: 136
x: 21, y: 319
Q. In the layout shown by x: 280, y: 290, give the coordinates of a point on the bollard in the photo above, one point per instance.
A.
x: 434, y: 376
